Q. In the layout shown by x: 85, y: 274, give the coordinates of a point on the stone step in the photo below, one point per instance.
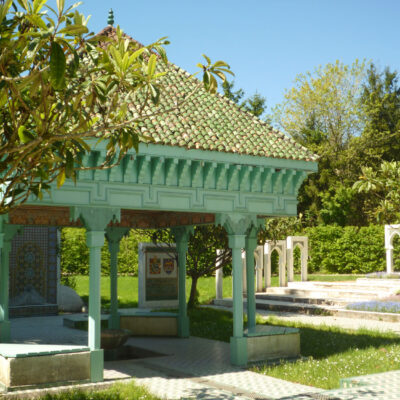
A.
x: 281, y: 306
x: 303, y: 300
x: 312, y: 309
x: 328, y: 293
x: 390, y: 283
x: 364, y: 284
x: 377, y: 316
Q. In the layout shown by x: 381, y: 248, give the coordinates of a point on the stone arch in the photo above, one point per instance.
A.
x: 390, y: 232
x: 302, y: 243
x: 280, y: 247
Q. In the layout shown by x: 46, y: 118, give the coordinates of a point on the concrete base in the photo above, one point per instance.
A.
x: 238, y: 350
x: 96, y: 365
x: 272, y: 342
x: 39, y: 369
x: 150, y: 324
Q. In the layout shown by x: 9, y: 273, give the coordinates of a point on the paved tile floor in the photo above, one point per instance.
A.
x: 198, y: 368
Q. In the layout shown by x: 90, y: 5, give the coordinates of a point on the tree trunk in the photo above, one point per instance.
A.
x: 193, y: 300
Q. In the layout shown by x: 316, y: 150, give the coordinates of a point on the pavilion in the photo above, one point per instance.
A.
x: 210, y: 163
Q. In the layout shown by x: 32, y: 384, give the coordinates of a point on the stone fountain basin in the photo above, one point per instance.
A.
x: 114, y: 338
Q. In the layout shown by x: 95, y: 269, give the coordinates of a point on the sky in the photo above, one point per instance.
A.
x: 266, y: 42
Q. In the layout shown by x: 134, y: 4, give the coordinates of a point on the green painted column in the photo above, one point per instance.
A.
x: 94, y: 241
x: 237, y: 226
x: 182, y: 235
x: 8, y: 232
x: 237, y: 243
x: 95, y: 220
x: 114, y: 236
x: 251, y: 244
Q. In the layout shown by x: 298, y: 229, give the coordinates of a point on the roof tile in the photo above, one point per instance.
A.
x: 212, y: 122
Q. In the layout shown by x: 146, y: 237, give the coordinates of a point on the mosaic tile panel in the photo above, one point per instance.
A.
x: 33, y: 272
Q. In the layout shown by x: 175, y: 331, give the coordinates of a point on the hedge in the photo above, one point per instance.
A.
x: 350, y: 249
x: 75, y: 253
x: 332, y: 249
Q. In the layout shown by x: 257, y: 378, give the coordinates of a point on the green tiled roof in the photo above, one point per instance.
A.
x: 213, y: 122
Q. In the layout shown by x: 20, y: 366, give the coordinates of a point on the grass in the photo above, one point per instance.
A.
x: 119, y: 391
x: 128, y: 288
x: 329, y: 353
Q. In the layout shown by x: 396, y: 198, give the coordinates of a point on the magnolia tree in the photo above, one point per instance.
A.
x: 383, y: 186
x: 61, y: 85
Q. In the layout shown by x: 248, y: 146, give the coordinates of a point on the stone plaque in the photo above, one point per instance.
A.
x: 158, y: 276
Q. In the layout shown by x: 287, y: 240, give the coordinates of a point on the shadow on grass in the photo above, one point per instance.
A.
x: 105, y: 302
x: 318, y: 342
x: 324, y: 342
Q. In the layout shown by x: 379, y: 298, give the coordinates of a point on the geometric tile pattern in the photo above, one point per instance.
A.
x: 33, y: 271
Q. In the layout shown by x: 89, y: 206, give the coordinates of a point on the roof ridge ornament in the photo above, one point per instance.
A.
x: 110, y: 19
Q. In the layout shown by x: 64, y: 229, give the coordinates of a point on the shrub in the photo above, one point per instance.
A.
x: 336, y: 249
x: 75, y: 253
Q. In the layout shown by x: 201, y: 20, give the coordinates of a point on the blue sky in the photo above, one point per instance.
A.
x: 266, y: 42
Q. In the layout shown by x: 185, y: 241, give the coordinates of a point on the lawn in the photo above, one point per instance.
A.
x: 128, y: 287
x: 329, y: 353
x: 119, y: 391
x: 333, y: 353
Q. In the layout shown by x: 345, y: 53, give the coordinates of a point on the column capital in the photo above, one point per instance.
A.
x: 114, y: 234
x: 236, y: 224
x: 95, y: 218
x: 182, y: 233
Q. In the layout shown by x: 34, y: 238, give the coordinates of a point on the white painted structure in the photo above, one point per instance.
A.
x: 259, y: 256
x: 219, y: 274
x: 302, y: 243
x: 280, y: 247
x: 390, y: 232
x: 259, y: 266
x: 262, y: 255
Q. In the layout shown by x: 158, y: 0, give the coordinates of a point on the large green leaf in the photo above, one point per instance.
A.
x: 4, y: 9
x: 24, y: 135
x: 74, y: 29
x: 61, y: 178
x: 151, y: 66
x: 60, y: 6
x: 57, y: 66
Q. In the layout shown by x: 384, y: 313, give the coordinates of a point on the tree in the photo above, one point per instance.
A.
x: 380, y: 100
x: 329, y: 96
x: 202, y: 257
x: 255, y: 104
x: 383, y: 185
x: 61, y: 85
x: 323, y: 112
x: 235, y: 96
